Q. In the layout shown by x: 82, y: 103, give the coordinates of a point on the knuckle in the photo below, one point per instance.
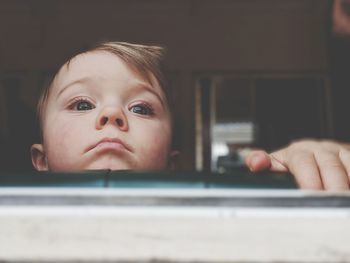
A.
x: 330, y: 145
x: 304, y: 145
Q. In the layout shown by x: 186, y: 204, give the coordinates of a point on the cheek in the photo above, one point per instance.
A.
x: 64, y: 138
x: 154, y: 142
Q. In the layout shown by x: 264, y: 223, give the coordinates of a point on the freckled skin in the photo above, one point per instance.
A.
x: 68, y: 133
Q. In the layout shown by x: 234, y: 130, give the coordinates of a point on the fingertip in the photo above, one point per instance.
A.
x: 258, y: 161
x: 254, y: 163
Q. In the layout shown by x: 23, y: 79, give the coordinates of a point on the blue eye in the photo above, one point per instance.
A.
x: 82, y: 104
x: 142, y: 109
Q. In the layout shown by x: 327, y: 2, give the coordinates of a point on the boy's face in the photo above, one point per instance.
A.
x: 101, y: 114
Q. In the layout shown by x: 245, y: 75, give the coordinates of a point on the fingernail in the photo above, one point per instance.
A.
x: 253, y: 163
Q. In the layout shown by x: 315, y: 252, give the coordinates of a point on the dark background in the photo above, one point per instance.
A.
x: 285, y: 47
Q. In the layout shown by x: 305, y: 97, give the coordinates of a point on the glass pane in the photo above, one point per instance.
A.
x: 232, y: 126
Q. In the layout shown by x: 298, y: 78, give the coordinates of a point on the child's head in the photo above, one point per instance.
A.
x: 105, y: 109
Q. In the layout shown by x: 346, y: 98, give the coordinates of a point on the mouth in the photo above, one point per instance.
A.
x: 113, y: 144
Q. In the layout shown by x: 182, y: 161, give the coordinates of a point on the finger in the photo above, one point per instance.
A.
x: 305, y: 170
x: 258, y: 161
x: 344, y: 156
x: 333, y: 173
x: 278, y: 163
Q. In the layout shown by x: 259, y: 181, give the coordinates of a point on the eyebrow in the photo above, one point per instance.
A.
x: 139, y: 86
x: 145, y: 86
x: 79, y: 81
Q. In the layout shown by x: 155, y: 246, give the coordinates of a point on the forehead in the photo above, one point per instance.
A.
x: 101, y: 65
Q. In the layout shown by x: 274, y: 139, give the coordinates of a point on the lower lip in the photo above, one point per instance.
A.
x: 110, y: 146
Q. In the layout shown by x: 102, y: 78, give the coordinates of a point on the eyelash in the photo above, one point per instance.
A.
x: 72, y: 105
x: 144, y: 106
x: 147, y: 107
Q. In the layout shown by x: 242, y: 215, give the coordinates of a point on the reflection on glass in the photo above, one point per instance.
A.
x: 238, y: 112
x: 230, y: 142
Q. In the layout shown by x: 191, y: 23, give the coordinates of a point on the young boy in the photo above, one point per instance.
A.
x: 106, y: 108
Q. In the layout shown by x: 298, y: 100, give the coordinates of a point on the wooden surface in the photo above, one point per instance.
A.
x: 64, y: 231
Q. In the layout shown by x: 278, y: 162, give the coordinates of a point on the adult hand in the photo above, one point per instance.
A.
x: 315, y: 164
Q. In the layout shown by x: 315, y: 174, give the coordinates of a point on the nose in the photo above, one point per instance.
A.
x: 114, y: 116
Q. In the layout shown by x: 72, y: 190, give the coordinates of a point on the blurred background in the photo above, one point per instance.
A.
x: 243, y: 73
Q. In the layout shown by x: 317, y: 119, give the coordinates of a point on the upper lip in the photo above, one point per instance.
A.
x: 108, y: 139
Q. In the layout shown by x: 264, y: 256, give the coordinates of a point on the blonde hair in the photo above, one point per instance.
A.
x: 146, y: 60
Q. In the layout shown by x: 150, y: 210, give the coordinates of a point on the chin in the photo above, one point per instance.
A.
x: 111, y: 165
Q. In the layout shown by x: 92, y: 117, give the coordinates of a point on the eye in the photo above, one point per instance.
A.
x: 84, y: 105
x: 81, y: 104
x: 142, y: 109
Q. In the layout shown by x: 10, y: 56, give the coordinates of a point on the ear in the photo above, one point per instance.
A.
x: 173, y: 160
x: 39, y: 159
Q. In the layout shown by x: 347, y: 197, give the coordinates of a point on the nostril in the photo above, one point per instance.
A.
x: 104, y: 121
x: 120, y: 122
